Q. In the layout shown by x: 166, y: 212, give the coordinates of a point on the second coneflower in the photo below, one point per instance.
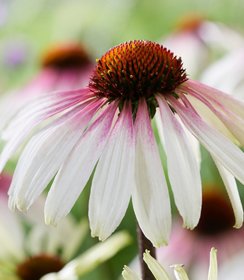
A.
x: 107, y: 126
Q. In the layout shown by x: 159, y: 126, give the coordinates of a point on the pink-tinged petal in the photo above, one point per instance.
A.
x: 46, y: 106
x: 150, y: 196
x: 21, y: 127
x: 233, y: 193
x: 218, y: 145
x: 45, y: 153
x: 232, y: 121
x: 211, y: 118
x: 77, y: 168
x: 114, y: 178
x: 227, y: 101
x: 183, y: 169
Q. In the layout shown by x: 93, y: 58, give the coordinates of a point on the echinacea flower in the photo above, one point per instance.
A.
x: 107, y: 127
x: 180, y: 274
x: 227, y: 73
x: 198, y: 41
x: 91, y: 258
x: 215, y: 228
x: 29, y: 255
x: 63, y: 66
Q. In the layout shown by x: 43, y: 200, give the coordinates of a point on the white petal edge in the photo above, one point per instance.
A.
x: 233, y: 193
x: 114, y: 179
x: 183, y: 169
x: 150, y: 196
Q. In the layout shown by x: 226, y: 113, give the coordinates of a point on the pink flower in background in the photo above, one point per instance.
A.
x: 227, y: 73
x: 64, y: 66
x: 215, y: 228
x: 5, y: 181
x: 107, y: 127
x: 198, y: 41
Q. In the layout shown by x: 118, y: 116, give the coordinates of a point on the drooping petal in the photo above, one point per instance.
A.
x: 222, y: 149
x: 77, y: 168
x: 232, y: 190
x: 45, y: 153
x: 114, y: 178
x: 226, y: 100
x: 229, y: 118
x: 157, y: 270
x: 183, y: 169
x: 20, y: 128
x: 150, y: 196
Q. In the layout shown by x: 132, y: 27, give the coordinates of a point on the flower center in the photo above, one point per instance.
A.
x: 137, y: 69
x: 65, y: 56
x: 36, y: 267
x: 216, y: 216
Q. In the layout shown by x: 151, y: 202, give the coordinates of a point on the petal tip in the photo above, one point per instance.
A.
x: 21, y: 204
x: 51, y: 221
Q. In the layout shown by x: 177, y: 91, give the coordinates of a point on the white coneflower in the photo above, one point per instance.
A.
x: 29, y: 255
x: 107, y: 126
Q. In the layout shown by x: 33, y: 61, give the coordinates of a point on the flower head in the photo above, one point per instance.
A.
x: 107, y: 127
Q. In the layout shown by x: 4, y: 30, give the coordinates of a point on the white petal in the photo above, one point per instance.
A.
x: 222, y: 149
x: 44, y: 155
x: 157, y: 270
x: 232, y: 190
x: 77, y: 168
x: 220, y: 113
x: 227, y: 101
x: 150, y: 196
x: 129, y: 274
x: 213, y: 266
x: 183, y: 170
x: 20, y: 128
x: 113, y: 180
